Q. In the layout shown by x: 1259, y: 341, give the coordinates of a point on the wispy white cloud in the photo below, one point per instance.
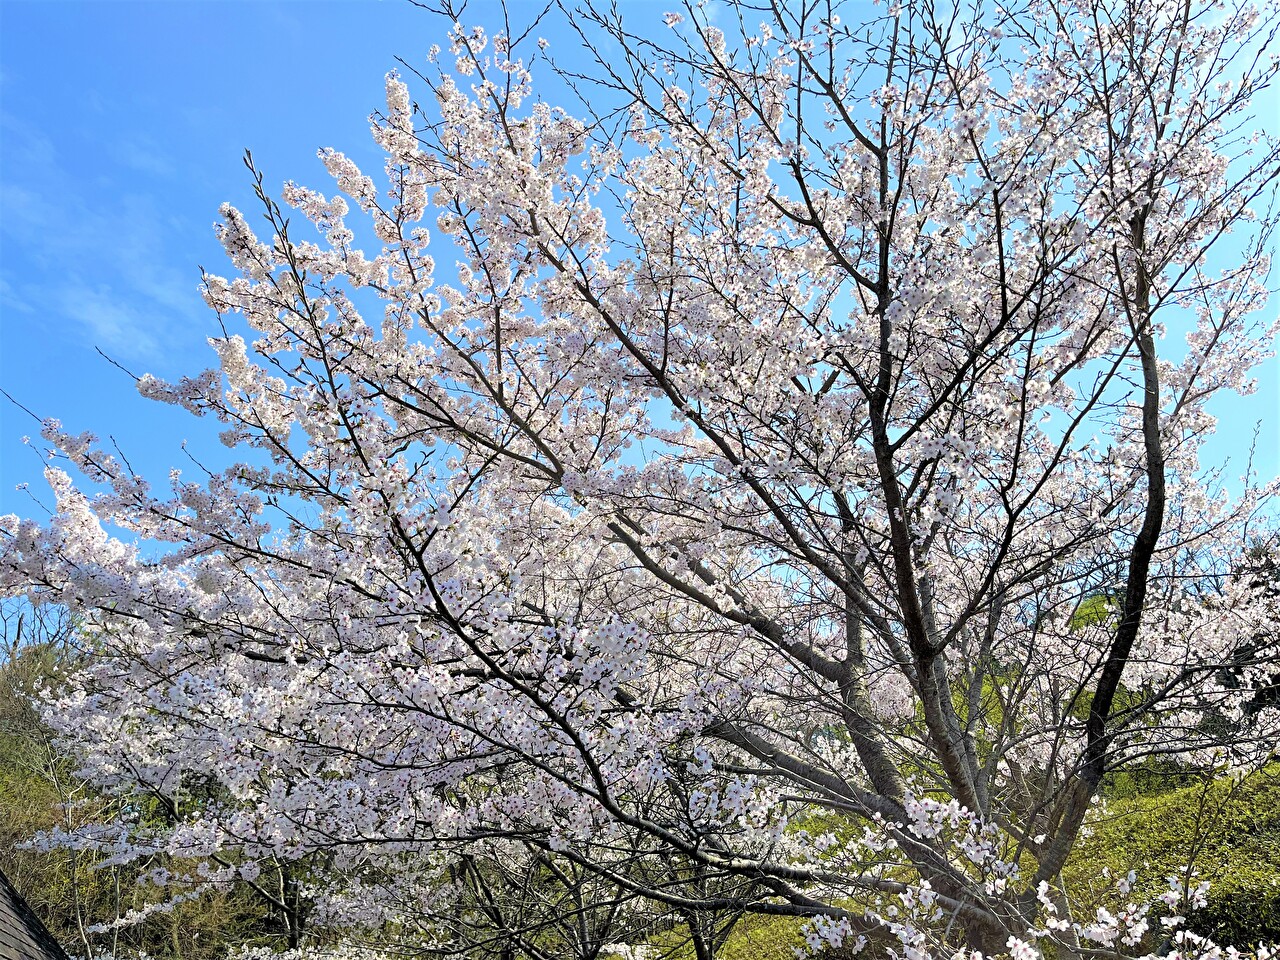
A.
x: 9, y: 299
x: 54, y: 226
x: 143, y: 156
x: 112, y: 323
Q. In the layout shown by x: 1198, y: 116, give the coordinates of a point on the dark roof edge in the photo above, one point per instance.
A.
x: 33, y: 921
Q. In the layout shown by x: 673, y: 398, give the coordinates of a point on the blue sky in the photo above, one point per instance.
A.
x: 122, y: 126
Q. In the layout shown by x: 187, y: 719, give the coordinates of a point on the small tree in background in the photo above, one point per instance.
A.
x: 93, y: 904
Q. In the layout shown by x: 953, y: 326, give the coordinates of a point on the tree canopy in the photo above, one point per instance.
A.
x: 767, y: 483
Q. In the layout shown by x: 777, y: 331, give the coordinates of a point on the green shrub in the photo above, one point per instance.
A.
x: 1226, y: 830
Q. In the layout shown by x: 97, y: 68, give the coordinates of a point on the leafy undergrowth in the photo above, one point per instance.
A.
x: 1227, y: 831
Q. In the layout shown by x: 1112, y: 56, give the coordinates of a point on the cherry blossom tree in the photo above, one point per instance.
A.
x: 769, y: 483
